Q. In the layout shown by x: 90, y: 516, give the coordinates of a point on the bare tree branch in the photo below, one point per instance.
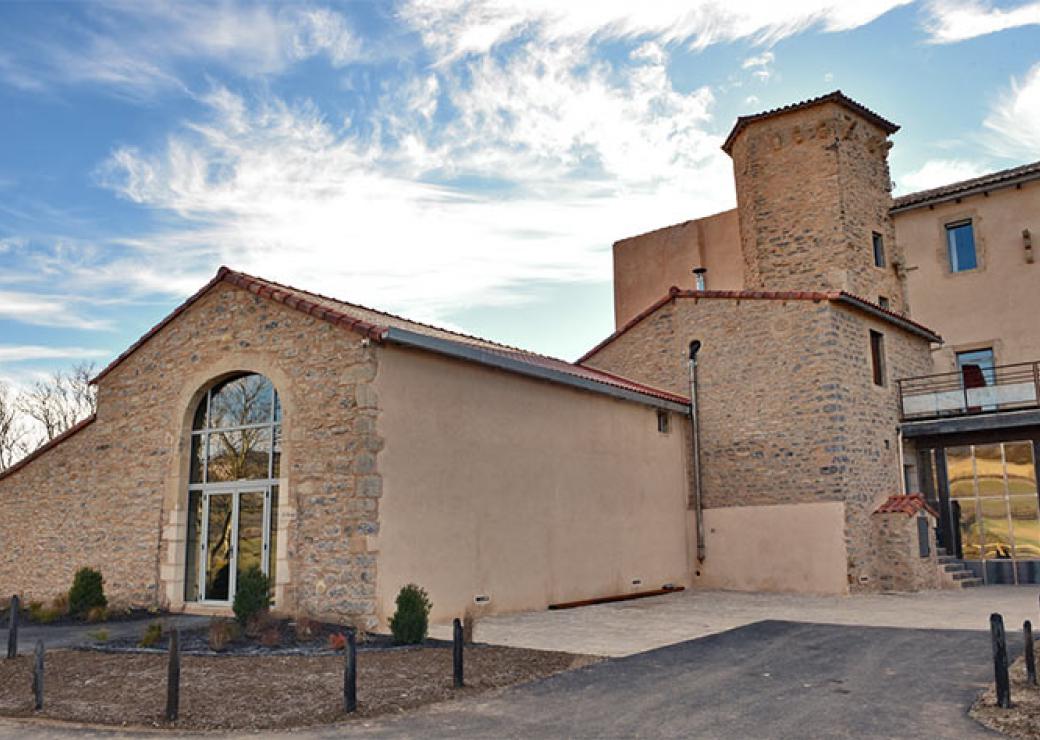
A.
x: 13, y: 440
x: 58, y: 403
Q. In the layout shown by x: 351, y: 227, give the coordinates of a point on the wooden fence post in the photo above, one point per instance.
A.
x: 12, y: 627
x: 350, y: 674
x: 37, y: 682
x: 1027, y: 628
x: 1000, y: 660
x: 456, y: 653
x: 173, y: 678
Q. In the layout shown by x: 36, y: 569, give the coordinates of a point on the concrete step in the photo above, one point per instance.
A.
x: 970, y: 582
x: 962, y: 575
x: 944, y: 559
x: 953, y: 567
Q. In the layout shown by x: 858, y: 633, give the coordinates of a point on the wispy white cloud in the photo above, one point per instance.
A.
x: 35, y: 352
x: 936, y: 172
x: 457, y: 27
x: 949, y: 21
x: 1014, y: 120
x: 761, y: 65
x: 42, y: 310
x: 136, y: 49
x: 559, y: 139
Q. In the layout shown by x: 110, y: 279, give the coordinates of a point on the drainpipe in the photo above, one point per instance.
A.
x: 695, y: 346
x: 902, y: 462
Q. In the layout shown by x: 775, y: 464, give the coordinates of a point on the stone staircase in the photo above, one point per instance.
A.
x: 955, y: 573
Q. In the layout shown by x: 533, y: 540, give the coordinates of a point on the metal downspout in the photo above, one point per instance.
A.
x: 695, y: 430
x: 902, y: 462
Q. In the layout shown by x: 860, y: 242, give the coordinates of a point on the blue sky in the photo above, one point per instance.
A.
x: 463, y: 162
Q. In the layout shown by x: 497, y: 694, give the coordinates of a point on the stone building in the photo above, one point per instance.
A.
x: 813, y: 191
x: 763, y: 425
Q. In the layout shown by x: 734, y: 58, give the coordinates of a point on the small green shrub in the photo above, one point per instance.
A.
x: 100, y: 635
x: 97, y: 614
x: 87, y: 592
x: 152, y: 635
x: 252, y: 594
x: 412, y: 618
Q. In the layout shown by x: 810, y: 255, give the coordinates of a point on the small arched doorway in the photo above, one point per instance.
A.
x: 233, y: 487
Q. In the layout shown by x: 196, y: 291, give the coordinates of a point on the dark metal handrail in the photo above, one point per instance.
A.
x: 971, y: 390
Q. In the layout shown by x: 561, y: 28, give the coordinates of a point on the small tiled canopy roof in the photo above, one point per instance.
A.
x: 910, y: 504
x: 837, y: 97
x: 387, y: 328
x: 992, y: 181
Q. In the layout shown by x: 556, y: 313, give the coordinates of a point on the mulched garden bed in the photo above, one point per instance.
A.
x: 261, y: 692
x: 122, y: 615
x: 196, y: 641
x: 1022, y: 720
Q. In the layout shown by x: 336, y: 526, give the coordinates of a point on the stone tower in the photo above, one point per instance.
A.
x: 813, y: 194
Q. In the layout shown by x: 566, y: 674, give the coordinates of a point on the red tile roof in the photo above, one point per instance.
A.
x: 1001, y: 179
x: 834, y: 97
x: 376, y: 325
x: 49, y: 445
x: 834, y: 296
x: 910, y: 504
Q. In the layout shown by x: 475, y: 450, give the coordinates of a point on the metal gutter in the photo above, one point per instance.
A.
x: 966, y: 193
x: 473, y: 353
x: 881, y: 313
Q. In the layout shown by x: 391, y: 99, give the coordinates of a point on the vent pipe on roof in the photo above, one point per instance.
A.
x: 695, y: 434
x: 699, y: 274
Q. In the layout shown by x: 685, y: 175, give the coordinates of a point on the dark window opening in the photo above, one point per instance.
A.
x: 877, y: 356
x: 879, y: 250
x: 663, y: 422
x: 960, y: 244
x: 883, y: 302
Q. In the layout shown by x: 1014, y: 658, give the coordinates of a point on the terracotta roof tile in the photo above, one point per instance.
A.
x: 375, y: 325
x: 1003, y: 178
x: 833, y: 296
x: 909, y: 504
x: 833, y: 97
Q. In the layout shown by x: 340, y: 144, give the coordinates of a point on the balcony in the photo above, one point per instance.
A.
x: 973, y: 390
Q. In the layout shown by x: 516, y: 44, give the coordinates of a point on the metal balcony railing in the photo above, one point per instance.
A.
x: 971, y: 390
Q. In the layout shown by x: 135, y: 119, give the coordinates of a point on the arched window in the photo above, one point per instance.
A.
x: 233, y: 486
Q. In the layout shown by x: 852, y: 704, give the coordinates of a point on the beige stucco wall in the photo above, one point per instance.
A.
x: 789, y: 547
x: 525, y: 491
x: 646, y: 266
x: 995, y: 305
x: 788, y: 408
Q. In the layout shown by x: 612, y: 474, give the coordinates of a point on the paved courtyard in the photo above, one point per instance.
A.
x: 723, y: 665
x: 629, y: 627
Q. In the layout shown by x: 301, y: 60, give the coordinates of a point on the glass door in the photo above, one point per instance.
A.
x: 236, y: 536
x: 219, y: 544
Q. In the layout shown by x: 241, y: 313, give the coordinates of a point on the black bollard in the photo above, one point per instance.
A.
x: 1000, y: 661
x: 37, y: 682
x: 350, y: 674
x: 456, y: 653
x: 173, y: 679
x: 12, y: 627
x: 1027, y: 629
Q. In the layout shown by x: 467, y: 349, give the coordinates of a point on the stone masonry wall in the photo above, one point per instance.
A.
x: 901, y: 567
x: 812, y: 185
x: 114, y: 495
x: 788, y: 409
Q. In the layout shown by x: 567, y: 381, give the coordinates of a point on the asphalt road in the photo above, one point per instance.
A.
x: 766, y: 680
